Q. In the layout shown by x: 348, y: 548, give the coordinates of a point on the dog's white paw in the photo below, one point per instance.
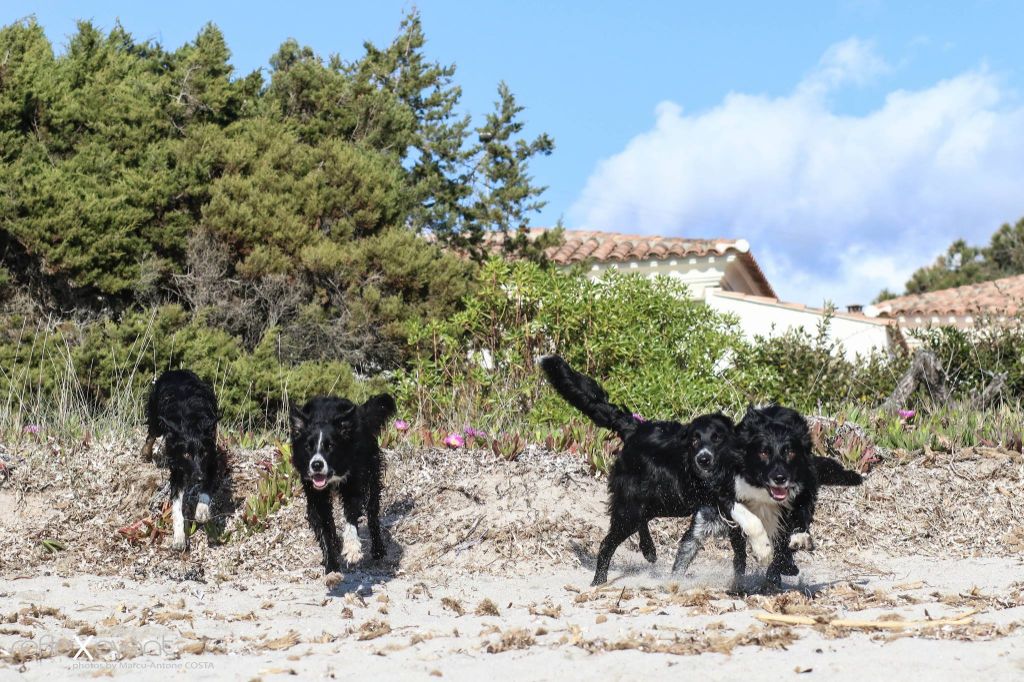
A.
x: 179, y: 542
x: 202, y: 512
x: 332, y: 579
x: 352, y: 553
x: 761, y: 548
x: 352, y: 548
x: 802, y: 541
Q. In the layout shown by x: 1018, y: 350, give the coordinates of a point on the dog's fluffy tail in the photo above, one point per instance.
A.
x: 831, y: 472
x: 587, y: 396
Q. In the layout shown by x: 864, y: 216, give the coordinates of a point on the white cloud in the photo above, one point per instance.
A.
x: 836, y: 206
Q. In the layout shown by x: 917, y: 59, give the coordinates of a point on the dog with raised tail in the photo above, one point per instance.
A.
x: 182, y: 408
x: 335, y: 452
x: 665, y: 469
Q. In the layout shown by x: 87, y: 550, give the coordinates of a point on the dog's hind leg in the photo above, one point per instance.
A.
x: 320, y: 513
x: 351, y: 548
x: 650, y: 552
x: 621, y: 527
x: 152, y: 426
x: 147, y: 449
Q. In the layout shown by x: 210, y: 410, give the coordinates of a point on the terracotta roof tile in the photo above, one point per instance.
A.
x: 999, y: 297
x: 582, y: 245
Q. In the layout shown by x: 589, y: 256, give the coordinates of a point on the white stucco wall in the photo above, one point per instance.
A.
x: 724, y: 284
x: 767, y: 317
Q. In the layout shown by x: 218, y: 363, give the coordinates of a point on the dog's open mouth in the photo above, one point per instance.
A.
x: 319, y: 481
x: 778, y: 493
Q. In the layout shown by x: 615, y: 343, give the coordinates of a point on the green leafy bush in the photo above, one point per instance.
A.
x: 655, y: 351
x: 971, y: 358
x: 479, y: 363
x: 107, y: 366
x: 811, y: 372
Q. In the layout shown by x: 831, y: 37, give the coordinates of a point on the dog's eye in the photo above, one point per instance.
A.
x: 763, y: 455
x: 715, y: 438
x: 790, y: 455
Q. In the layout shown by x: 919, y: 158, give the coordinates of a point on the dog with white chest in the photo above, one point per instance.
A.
x: 335, y: 452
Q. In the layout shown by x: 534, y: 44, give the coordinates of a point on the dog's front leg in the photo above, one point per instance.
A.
x: 782, y: 562
x: 750, y: 524
x: 739, y: 557
x: 800, y: 523
x: 320, y: 514
x: 693, y: 539
x: 351, y: 547
x: 179, y: 478
x: 208, y: 486
x: 377, y: 550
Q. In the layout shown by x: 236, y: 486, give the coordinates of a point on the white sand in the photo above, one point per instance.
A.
x: 328, y: 625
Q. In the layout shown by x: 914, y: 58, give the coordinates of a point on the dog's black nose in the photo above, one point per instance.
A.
x: 317, y: 465
x: 704, y: 459
x: 780, y: 479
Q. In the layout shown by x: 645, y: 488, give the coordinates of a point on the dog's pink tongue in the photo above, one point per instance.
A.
x: 319, y: 481
x: 778, y: 493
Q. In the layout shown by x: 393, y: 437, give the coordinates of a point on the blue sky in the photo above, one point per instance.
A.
x: 849, y: 142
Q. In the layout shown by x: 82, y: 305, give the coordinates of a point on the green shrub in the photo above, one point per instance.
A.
x: 971, y: 358
x: 479, y: 363
x: 811, y: 372
x: 107, y: 366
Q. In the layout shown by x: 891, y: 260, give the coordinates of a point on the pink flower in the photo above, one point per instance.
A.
x: 454, y: 440
x: 474, y: 433
x: 639, y: 417
x: 33, y: 428
x: 401, y: 425
x: 906, y: 415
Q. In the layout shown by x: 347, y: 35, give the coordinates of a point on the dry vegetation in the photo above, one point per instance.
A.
x: 488, y: 556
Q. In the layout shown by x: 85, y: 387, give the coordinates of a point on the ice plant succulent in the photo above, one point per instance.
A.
x: 454, y: 440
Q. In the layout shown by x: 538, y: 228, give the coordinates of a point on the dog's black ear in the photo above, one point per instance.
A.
x: 376, y: 411
x: 804, y: 434
x: 298, y: 418
x: 345, y: 412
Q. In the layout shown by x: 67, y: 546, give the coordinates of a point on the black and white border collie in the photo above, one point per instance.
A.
x: 778, y: 482
x: 182, y: 408
x: 665, y: 469
x: 335, y: 452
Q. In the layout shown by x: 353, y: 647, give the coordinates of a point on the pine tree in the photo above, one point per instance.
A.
x: 439, y: 170
x: 505, y: 194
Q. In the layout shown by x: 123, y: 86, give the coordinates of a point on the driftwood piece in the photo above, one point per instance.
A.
x: 925, y: 370
x: 991, y: 393
x: 785, y: 619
